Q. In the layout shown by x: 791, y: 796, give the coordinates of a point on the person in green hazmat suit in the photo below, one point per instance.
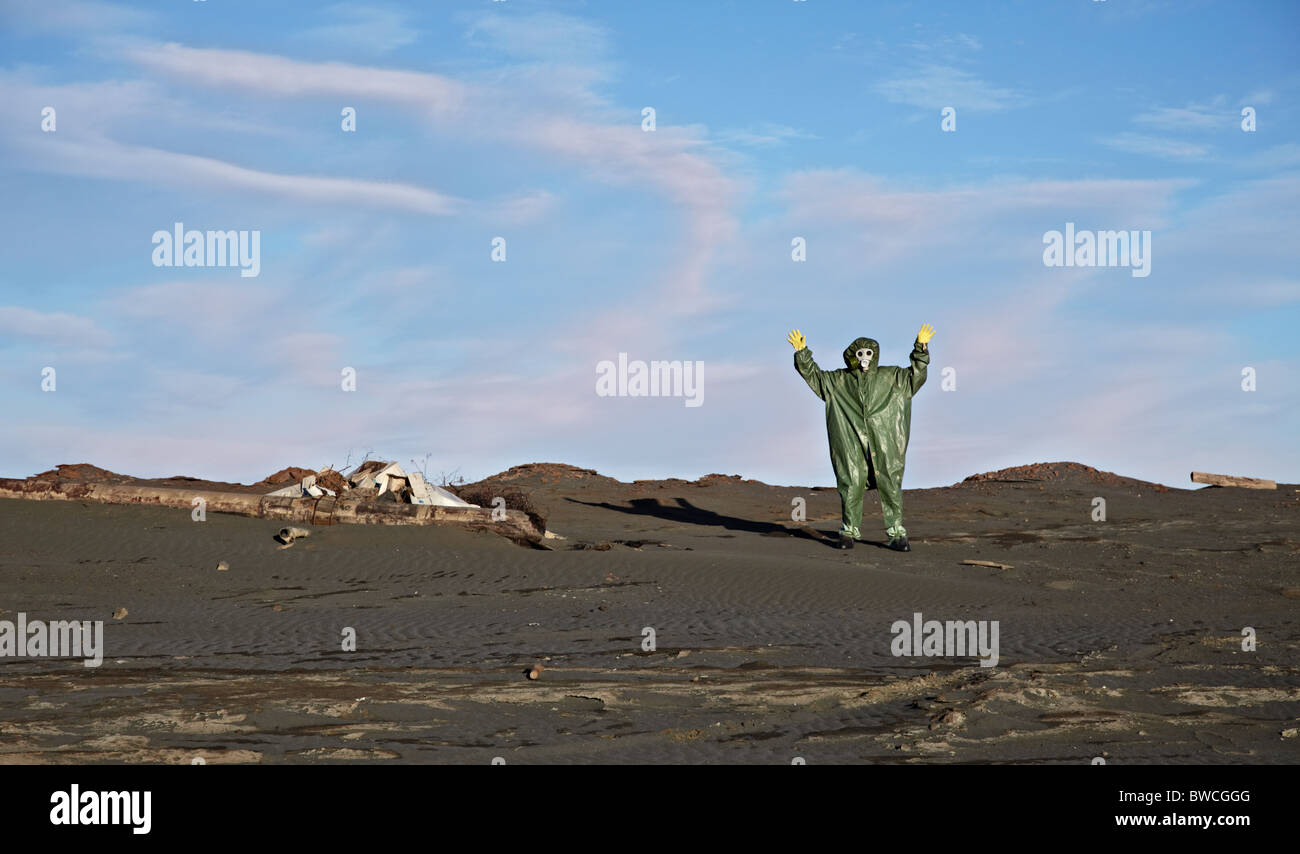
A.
x: 868, y: 421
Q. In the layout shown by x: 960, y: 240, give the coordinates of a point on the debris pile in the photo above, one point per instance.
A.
x: 373, y: 479
x: 375, y: 493
x: 1062, y: 472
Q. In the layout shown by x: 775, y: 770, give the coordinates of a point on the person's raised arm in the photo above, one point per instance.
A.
x: 920, y: 357
x: 804, y: 364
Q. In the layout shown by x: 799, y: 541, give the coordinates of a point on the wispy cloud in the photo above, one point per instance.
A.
x: 104, y: 158
x: 848, y: 196
x: 523, y: 208
x: 69, y: 16
x: 364, y: 28
x: 932, y: 87
x: 1156, y: 146
x: 1284, y: 156
x: 55, y: 338
x: 948, y: 44
x: 549, y: 36
x: 279, y: 76
x: 763, y: 134
x: 54, y: 328
x: 1191, y: 117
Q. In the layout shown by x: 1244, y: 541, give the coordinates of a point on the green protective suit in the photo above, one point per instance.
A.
x: 868, y: 420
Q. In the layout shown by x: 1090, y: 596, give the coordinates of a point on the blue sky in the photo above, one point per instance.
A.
x: 523, y: 120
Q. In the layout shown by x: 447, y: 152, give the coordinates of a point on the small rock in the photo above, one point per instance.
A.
x: 1291, y: 733
x: 223, y: 567
x: 683, y: 653
x: 120, y: 614
x: 952, y: 718
x: 536, y: 671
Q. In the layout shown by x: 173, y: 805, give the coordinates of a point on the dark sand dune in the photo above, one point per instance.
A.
x: 1120, y: 638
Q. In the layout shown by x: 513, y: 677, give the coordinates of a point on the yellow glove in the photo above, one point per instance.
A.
x: 796, y: 340
x: 926, y: 333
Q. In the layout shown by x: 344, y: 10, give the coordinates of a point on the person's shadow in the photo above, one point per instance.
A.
x: 687, y: 513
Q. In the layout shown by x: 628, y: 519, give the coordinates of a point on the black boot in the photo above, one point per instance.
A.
x: 846, y: 541
x: 899, y: 544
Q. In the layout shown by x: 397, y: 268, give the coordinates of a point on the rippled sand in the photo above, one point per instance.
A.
x: 1119, y: 639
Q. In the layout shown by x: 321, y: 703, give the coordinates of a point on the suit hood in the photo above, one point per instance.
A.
x: 851, y: 360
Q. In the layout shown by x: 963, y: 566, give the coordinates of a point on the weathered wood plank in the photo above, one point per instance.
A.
x: 1232, y: 480
x: 991, y: 563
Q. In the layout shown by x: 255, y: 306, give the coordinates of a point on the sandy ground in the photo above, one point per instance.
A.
x: 1119, y: 639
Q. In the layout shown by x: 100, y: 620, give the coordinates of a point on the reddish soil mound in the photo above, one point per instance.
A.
x: 181, y: 481
x: 286, y: 476
x: 82, y: 473
x: 544, y: 473
x: 86, y: 473
x: 719, y: 479
x: 1063, y: 472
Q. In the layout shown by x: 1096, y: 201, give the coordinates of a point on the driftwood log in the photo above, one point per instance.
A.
x: 306, y: 510
x: 1230, y: 480
x: 991, y: 563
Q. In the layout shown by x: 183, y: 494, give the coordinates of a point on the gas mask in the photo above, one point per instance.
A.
x: 864, y: 358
